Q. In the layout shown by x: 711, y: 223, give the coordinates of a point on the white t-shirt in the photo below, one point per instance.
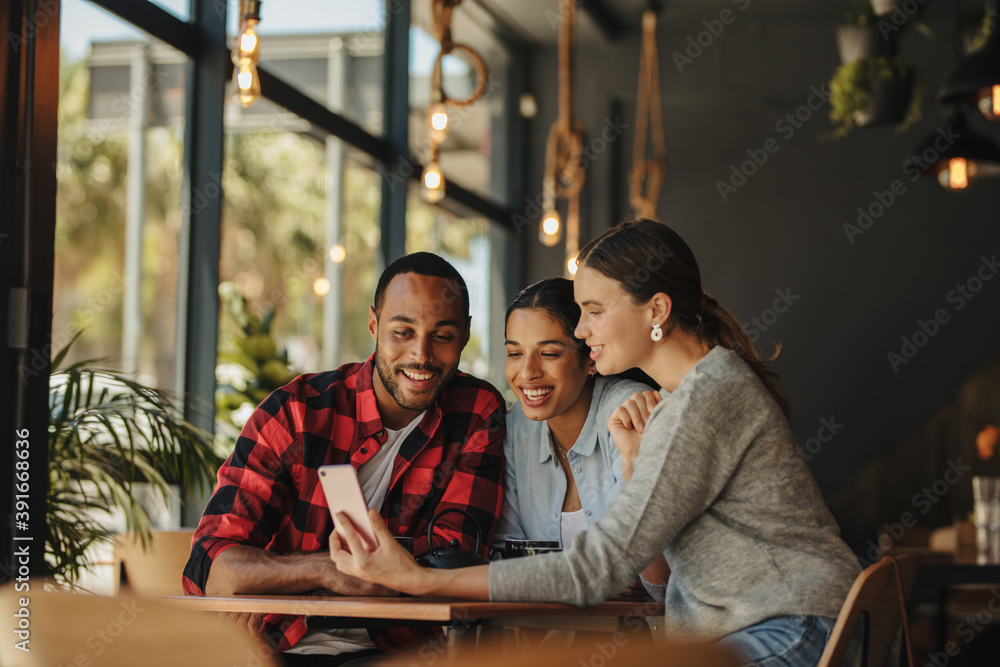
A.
x: 375, y: 476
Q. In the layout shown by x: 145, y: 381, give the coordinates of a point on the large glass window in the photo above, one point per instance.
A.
x: 121, y: 123
x: 300, y: 238
x: 332, y: 53
x: 477, y: 248
x: 118, y: 214
x: 467, y: 154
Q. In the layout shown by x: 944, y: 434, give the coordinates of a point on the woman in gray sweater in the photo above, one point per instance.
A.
x: 717, y: 481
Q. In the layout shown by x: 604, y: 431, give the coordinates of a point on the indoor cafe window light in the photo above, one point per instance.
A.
x: 432, y: 181
x: 564, y: 169
x: 246, y: 55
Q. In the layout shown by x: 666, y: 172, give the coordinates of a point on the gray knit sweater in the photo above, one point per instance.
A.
x: 721, y: 488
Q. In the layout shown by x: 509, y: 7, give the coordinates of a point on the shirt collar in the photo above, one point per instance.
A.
x: 587, y: 440
x: 369, y: 421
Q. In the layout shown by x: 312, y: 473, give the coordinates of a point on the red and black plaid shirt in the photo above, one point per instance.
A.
x: 269, y: 496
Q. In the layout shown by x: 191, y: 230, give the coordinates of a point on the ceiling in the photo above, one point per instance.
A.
x: 610, y: 20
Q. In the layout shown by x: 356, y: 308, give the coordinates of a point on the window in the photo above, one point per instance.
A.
x: 121, y: 123
x: 334, y: 56
x: 468, y: 155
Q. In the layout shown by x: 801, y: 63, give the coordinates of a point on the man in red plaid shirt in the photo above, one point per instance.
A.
x: 422, y: 436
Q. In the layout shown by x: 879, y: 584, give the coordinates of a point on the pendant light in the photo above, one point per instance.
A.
x: 975, y: 80
x: 564, y: 169
x: 246, y: 55
x: 957, y: 155
x: 432, y: 180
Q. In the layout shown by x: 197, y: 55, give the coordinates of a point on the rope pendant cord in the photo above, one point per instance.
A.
x: 647, y: 175
x: 564, y: 171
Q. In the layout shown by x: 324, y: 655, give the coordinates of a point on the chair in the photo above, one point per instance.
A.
x: 156, y: 570
x: 875, y: 606
x: 124, y: 631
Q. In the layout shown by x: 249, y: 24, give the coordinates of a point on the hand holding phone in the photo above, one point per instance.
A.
x: 343, y: 494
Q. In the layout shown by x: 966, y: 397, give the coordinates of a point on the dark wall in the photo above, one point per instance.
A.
x: 782, y: 231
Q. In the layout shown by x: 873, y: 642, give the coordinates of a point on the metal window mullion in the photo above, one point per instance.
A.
x: 201, y: 208
x: 395, y: 109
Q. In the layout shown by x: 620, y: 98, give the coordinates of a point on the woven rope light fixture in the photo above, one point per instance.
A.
x: 433, y: 184
x: 645, y: 179
x: 564, y: 169
x: 246, y: 55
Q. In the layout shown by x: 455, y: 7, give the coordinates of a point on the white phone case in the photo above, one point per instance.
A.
x: 343, y: 494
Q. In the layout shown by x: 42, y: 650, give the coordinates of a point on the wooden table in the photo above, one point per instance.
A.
x: 379, y: 612
x: 939, y: 573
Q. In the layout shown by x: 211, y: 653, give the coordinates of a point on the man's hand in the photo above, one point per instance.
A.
x: 627, y: 423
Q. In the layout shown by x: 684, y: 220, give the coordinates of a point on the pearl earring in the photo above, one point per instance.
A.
x: 657, y: 333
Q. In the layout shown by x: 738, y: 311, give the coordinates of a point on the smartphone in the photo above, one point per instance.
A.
x: 343, y: 494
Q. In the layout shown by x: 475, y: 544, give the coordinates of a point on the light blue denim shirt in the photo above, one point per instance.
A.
x: 535, y: 485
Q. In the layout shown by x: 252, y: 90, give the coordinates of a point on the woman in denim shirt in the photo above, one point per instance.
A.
x: 563, y: 469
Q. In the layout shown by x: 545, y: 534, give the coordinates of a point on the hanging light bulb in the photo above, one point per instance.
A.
x: 246, y: 84
x: 550, y: 229
x: 246, y: 55
x: 970, y: 157
x: 437, y: 116
x: 433, y: 182
x: 957, y: 174
x: 975, y: 78
x: 989, y: 102
x: 572, y: 265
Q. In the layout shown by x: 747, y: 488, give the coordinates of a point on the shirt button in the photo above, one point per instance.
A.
x: 576, y: 469
x: 587, y: 512
x: 364, y: 450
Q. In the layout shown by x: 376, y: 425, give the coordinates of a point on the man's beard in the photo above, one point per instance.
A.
x: 390, y: 381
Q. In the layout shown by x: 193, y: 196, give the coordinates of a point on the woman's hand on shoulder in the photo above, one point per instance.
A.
x: 627, y: 423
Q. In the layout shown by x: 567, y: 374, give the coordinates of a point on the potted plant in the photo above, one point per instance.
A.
x: 874, y: 91
x: 860, y: 37
x: 252, y: 367
x: 108, y: 433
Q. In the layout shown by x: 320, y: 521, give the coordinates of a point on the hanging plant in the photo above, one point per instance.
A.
x: 874, y: 91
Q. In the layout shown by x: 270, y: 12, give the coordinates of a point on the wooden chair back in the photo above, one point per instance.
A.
x: 122, y: 631
x: 156, y: 570
x: 876, y: 603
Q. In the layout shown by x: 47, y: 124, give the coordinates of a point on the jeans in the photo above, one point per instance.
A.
x: 783, y: 641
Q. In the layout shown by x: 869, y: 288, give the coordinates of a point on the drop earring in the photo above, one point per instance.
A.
x: 657, y: 333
